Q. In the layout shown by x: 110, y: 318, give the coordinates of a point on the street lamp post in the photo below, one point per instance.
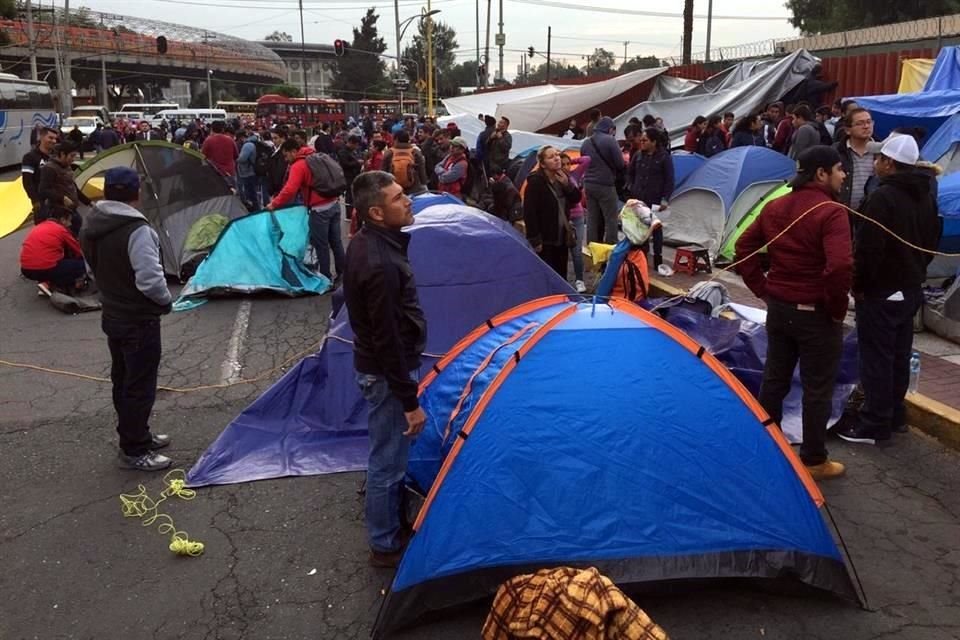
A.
x: 429, y: 19
x: 210, y: 88
x: 402, y: 29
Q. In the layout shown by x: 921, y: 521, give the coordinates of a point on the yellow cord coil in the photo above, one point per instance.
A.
x: 141, y: 505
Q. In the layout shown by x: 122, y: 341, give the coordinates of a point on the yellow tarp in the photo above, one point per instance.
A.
x: 914, y: 73
x: 14, y: 206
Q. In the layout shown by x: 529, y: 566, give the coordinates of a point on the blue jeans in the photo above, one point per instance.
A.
x: 325, y: 237
x: 389, y: 450
x: 576, y: 253
x: 250, y: 190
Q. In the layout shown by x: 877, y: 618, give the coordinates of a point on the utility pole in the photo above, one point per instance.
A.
x: 479, y: 81
x: 549, y: 36
x: 486, y: 51
x: 303, y: 56
x: 68, y: 79
x: 625, y: 51
x: 709, y: 28
x: 31, y: 40
x: 687, y: 30
x: 429, y: 62
x: 501, y: 42
x: 103, y: 81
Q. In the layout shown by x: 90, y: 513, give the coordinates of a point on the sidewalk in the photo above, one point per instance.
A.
x: 934, y: 410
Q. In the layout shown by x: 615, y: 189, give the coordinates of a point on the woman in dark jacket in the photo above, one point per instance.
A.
x: 650, y: 179
x: 546, y: 202
x: 746, y: 133
x: 712, y: 141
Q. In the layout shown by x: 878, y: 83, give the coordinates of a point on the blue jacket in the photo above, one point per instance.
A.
x: 606, y: 159
x: 246, y: 161
x: 650, y: 177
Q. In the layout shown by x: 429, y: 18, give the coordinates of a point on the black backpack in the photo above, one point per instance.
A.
x: 327, y: 178
x: 261, y: 161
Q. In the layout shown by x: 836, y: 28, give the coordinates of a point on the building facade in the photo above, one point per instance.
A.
x: 316, y: 61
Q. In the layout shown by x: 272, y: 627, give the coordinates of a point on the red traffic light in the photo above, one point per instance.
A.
x: 339, y: 47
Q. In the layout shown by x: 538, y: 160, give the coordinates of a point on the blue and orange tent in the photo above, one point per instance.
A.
x: 670, y: 470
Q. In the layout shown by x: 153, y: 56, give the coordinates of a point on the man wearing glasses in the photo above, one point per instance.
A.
x: 857, y: 157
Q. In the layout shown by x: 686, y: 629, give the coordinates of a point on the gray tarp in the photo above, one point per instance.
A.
x: 743, y: 88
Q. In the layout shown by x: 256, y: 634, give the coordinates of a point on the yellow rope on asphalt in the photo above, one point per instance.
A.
x: 141, y: 505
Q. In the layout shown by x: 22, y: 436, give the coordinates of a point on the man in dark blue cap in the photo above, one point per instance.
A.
x: 123, y: 251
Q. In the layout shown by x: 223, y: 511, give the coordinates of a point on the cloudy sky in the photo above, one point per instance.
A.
x: 576, y: 32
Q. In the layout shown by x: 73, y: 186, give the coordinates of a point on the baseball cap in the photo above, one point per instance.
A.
x: 818, y: 157
x: 460, y: 142
x: 901, y: 148
x: 121, y: 184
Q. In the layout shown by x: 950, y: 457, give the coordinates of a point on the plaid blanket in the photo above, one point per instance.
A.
x: 566, y: 604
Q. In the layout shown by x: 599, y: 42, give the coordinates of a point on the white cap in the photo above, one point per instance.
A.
x: 901, y: 148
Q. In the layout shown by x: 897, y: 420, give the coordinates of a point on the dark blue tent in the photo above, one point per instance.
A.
x: 946, y: 71
x: 943, y: 147
x: 670, y: 471
x: 948, y: 201
x: 685, y: 164
x: 469, y: 267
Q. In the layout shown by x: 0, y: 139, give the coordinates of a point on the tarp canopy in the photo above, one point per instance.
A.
x: 178, y: 187
x: 523, y: 141
x: 257, y: 253
x: 927, y: 109
x: 728, y: 184
x: 685, y: 482
x: 668, y: 87
x: 469, y: 266
x: 761, y: 82
x: 488, y: 102
x: 946, y: 71
x: 914, y: 73
x: 943, y: 147
x: 15, y: 206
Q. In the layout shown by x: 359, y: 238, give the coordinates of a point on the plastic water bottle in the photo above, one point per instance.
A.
x: 914, y: 373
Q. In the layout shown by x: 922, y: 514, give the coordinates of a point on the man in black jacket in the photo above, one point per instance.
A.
x: 123, y: 251
x: 349, y: 158
x: 30, y: 166
x: 887, y: 285
x: 389, y: 336
x: 277, y: 167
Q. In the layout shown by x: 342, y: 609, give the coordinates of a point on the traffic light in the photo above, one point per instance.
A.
x: 481, y: 72
x: 339, y: 48
x: 161, y: 44
x: 530, y: 51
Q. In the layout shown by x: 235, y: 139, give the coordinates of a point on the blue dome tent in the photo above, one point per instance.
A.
x: 710, y: 202
x: 943, y: 147
x: 685, y: 478
x: 469, y: 266
x: 684, y: 164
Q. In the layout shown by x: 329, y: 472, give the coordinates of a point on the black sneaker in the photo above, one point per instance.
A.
x: 159, y: 441
x: 901, y: 428
x: 859, y: 434
x: 150, y: 461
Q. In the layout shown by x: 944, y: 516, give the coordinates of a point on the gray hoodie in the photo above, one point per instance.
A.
x: 606, y: 159
x: 123, y: 251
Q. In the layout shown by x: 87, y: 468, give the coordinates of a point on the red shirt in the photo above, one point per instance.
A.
x: 221, y: 151
x: 47, y: 244
x: 812, y: 263
x: 299, y: 180
x: 374, y: 162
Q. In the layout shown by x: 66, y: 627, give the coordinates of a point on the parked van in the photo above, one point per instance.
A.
x: 92, y: 111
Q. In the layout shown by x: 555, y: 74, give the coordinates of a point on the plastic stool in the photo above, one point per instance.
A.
x: 691, y: 259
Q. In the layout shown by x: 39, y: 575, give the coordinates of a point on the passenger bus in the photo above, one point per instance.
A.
x: 242, y: 110
x: 149, y: 110
x: 379, y: 109
x: 186, y: 116
x: 307, y: 113
x: 23, y: 104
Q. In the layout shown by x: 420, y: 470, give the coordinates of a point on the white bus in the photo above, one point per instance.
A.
x: 23, y: 104
x: 149, y: 109
x: 242, y: 110
x: 186, y: 116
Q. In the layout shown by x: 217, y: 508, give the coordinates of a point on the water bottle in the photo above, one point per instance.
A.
x: 914, y: 372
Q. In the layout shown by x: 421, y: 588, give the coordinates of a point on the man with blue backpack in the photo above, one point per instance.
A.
x: 252, y: 167
x: 320, y: 182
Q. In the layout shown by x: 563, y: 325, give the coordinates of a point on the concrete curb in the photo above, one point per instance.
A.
x: 925, y: 414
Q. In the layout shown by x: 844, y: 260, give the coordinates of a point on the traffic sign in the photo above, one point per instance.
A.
x: 401, y: 84
x: 421, y: 85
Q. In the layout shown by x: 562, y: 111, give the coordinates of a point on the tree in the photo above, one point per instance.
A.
x: 444, y: 60
x: 286, y: 90
x: 279, y: 36
x: 8, y: 9
x: 601, y: 62
x: 640, y: 62
x: 828, y: 16
x: 361, y: 72
x: 559, y: 69
x: 463, y: 74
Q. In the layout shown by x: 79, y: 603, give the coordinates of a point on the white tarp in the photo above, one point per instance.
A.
x: 470, y: 128
x: 535, y: 113
x: 488, y: 103
x: 760, y: 82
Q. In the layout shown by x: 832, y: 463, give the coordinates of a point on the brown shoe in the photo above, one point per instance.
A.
x: 827, y: 470
x: 385, y: 560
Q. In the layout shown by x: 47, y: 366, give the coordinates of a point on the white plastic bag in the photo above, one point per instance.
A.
x: 638, y: 221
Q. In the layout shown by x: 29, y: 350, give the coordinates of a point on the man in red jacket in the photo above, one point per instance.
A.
x: 324, y: 212
x: 806, y: 289
x: 51, y: 255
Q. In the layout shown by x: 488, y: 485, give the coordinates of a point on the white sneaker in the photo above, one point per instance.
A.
x: 579, y: 286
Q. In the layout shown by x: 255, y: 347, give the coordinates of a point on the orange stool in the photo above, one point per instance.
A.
x: 691, y: 259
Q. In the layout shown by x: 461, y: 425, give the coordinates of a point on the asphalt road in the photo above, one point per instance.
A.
x: 73, y: 567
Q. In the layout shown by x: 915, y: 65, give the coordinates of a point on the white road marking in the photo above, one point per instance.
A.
x: 231, y: 368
